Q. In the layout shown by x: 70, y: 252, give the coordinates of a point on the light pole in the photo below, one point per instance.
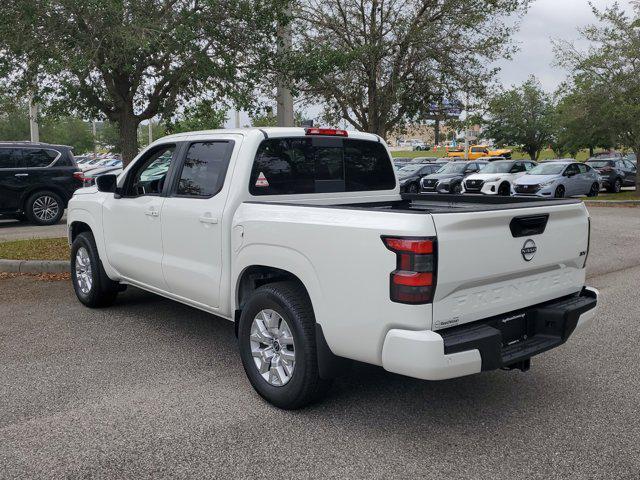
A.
x: 284, y: 99
x: 33, y: 119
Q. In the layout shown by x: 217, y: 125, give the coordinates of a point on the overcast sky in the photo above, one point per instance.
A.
x: 547, y: 20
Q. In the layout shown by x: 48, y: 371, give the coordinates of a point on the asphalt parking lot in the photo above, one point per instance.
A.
x: 14, y: 230
x: 153, y: 389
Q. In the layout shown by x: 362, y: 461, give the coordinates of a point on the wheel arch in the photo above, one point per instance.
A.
x: 253, y: 274
x: 43, y: 188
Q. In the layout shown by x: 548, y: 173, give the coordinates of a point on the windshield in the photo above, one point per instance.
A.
x: 453, y: 168
x: 498, y: 167
x: 548, y: 169
x: 409, y: 169
x: 598, y: 163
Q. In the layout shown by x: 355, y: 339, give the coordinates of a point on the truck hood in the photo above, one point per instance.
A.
x: 443, y: 176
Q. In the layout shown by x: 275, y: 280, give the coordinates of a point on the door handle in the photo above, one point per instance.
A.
x: 208, y: 219
x: 21, y: 175
x: 152, y: 213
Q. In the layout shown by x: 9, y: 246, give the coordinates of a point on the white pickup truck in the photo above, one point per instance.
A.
x: 302, y: 238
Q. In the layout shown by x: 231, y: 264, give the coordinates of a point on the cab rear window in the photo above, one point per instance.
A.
x: 284, y: 166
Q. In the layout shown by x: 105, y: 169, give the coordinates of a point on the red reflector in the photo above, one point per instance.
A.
x: 408, y: 245
x: 326, y: 131
x: 413, y: 279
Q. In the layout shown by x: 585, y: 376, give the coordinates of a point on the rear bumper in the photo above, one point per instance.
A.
x: 490, y: 343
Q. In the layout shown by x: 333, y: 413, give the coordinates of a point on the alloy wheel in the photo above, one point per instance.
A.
x: 272, y: 347
x: 84, y: 279
x: 45, y: 208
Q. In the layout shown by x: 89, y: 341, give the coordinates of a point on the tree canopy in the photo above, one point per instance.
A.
x: 378, y: 64
x: 606, y: 77
x: 523, y: 116
x: 131, y: 61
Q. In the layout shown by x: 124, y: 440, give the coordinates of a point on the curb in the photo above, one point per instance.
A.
x: 34, y: 266
x: 603, y: 203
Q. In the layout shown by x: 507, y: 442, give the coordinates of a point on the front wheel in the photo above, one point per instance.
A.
x: 457, y: 188
x: 559, y: 193
x: 504, y: 190
x: 617, y: 186
x: 278, y: 346
x: 92, y: 285
x: 413, y: 188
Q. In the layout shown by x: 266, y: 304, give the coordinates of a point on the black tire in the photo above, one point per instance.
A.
x: 44, y: 208
x: 412, y: 188
x: 594, y: 191
x: 291, y: 302
x: 102, y: 291
x: 456, y: 188
x: 504, y: 189
x: 559, y: 193
x: 617, y: 186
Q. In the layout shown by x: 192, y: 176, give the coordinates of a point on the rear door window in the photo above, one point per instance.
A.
x: 301, y: 165
x: 204, y: 169
x: 37, y: 157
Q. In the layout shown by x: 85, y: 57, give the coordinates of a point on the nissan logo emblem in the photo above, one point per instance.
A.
x: 529, y: 250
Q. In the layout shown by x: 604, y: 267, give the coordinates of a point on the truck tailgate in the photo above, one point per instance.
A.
x: 498, y: 261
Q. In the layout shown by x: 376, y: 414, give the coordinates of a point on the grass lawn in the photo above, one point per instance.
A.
x: 624, y: 195
x: 36, y: 249
x: 441, y: 152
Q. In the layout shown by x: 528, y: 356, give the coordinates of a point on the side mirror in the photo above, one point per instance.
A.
x: 107, y: 183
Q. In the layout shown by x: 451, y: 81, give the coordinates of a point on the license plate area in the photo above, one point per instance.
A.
x: 514, y: 329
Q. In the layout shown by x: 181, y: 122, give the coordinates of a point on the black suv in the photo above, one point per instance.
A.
x: 36, y: 181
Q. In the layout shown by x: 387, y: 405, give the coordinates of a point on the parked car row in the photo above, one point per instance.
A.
x: 551, y: 179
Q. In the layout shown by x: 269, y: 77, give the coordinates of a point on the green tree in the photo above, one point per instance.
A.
x: 380, y: 64
x: 14, y: 120
x: 523, y: 116
x: 67, y: 131
x: 204, y: 115
x: 132, y: 61
x: 607, y: 75
x: 581, y: 123
x: 269, y: 119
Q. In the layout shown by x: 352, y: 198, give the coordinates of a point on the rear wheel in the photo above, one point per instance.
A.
x: 278, y: 347
x: 559, y: 193
x: 92, y: 285
x: 44, y: 208
x: 595, y: 189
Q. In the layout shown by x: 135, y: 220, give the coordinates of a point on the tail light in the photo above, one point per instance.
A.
x: 414, y: 279
x: 606, y: 170
x: 78, y: 176
x: 326, y: 131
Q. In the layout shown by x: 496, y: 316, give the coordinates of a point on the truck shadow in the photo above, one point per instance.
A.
x: 367, y: 399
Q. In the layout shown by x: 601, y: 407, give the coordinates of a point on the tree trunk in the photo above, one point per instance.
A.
x: 128, y: 130
x: 436, y: 132
x: 590, y: 151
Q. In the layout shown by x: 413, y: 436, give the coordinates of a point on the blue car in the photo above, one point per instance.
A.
x: 558, y: 179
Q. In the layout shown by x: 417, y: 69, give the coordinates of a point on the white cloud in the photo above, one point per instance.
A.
x: 545, y: 21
